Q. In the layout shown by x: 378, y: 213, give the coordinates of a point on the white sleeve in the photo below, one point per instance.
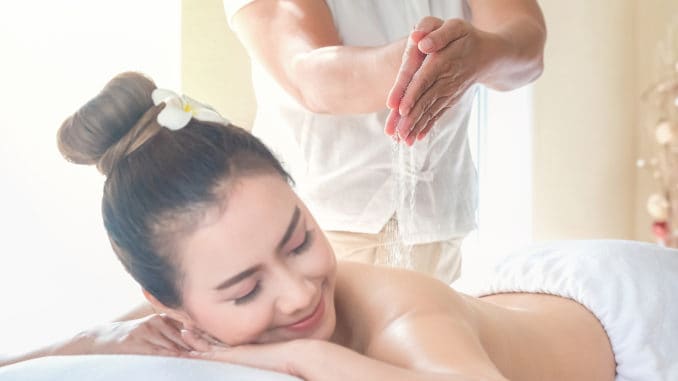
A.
x: 231, y: 7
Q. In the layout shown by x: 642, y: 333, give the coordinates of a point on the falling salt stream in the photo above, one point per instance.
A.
x: 403, y: 168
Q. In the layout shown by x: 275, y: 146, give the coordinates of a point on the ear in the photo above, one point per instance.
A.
x: 175, y: 313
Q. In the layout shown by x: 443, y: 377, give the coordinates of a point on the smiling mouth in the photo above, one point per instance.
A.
x: 311, y: 320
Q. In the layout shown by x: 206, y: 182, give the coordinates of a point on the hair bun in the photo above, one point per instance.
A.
x: 85, y: 136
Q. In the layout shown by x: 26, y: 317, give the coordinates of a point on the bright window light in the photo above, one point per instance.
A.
x: 58, y: 274
x: 500, y: 137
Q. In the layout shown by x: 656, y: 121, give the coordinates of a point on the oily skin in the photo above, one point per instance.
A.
x: 398, y: 317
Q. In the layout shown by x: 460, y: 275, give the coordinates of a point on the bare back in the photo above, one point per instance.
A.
x: 414, y: 321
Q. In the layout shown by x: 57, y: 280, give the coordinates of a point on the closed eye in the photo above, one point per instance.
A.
x: 308, y: 240
x: 249, y: 296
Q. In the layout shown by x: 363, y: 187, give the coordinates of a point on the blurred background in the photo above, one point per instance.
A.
x: 557, y: 160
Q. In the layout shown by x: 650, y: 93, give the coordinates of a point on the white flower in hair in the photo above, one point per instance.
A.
x: 179, y: 109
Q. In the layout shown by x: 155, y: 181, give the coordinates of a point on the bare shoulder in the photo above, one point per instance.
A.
x: 413, y: 320
x: 396, y: 291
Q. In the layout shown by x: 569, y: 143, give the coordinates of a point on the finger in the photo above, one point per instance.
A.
x: 439, y: 38
x: 424, y: 103
x: 209, y: 355
x: 428, y: 24
x: 159, y: 351
x: 159, y: 329
x: 173, y: 334
x: 422, y: 80
x: 411, y: 60
x: 433, y: 121
x: 212, y: 340
x: 392, y: 122
x: 156, y: 338
x: 195, y: 341
x: 426, y: 115
x: 215, y: 353
x: 243, y: 355
x: 414, y: 132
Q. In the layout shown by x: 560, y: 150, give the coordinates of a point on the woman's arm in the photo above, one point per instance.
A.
x: 151, y: 335
x: 65, y: 347
x: 324, y: 361
x: 297, y: 43
x: 316, y: 360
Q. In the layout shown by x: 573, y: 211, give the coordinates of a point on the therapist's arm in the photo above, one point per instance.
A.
x: 297, y: 43
x: 516, y: 53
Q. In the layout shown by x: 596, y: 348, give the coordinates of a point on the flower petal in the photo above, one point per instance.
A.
x: 209, y: 115
x: 196, y: 105
x: 161, y: 95
x: 174, y: 102
x: 173, y: 118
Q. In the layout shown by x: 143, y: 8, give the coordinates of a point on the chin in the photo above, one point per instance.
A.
x: 325, y: 331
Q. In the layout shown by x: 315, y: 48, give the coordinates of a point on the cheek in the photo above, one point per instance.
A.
x: 231, y: 324
x: 319, y: 263
x: 326, y: 254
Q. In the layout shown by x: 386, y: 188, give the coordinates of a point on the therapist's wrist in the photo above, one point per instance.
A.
x: 493, y: 51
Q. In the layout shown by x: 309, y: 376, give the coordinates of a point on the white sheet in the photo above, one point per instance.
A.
x: 132, y: 368
x: 631, y: 287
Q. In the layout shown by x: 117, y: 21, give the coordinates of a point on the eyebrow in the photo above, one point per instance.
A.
x: 231, y: 281
x: 290, y: 228
x: 286, y: 237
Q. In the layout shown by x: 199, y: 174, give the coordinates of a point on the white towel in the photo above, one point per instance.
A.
x: 631, y: 287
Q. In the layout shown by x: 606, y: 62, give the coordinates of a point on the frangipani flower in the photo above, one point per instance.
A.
x: 179, y: 110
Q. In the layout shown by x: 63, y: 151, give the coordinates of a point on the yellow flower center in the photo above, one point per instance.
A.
x: 187, y: 108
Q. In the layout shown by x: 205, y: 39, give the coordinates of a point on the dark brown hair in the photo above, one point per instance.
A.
x: 159, y: 182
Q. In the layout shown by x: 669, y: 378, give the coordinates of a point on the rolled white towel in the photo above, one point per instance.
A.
x: 631, y: 287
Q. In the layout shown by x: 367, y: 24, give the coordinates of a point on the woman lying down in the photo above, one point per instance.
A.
x: 203, y: 217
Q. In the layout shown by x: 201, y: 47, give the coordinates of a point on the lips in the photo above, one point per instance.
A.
x: 311, y: 321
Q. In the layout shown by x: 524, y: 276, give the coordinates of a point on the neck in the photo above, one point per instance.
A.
x: 350, y: 327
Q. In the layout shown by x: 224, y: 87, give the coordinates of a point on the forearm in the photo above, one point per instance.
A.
x: 73, y: 346
x: 81, y: 343
x: 325, y: 361
x: 511, y: 54
x: 346, y: 79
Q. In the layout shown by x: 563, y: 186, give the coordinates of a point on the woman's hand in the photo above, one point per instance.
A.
x: 151, y: 335
x: 275, y: 357
x: 441, y: 61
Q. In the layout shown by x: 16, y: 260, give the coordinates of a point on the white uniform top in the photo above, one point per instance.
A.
x: 342, y: 164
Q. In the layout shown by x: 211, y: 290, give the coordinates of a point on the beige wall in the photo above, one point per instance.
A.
x: 584, y: 176
x: 598, y: 59
x: 600, y: 56
x: 215, y: 66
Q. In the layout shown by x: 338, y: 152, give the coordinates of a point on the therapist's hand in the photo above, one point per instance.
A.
x: 441, y: 61
x: 151, y: 335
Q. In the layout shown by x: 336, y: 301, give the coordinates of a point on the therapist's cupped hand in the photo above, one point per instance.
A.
x: 440, y: 62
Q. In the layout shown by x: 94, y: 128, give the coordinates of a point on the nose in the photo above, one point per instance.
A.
x: 296, y: 293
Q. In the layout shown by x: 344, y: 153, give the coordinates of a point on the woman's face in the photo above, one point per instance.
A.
x: 259, y: 270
